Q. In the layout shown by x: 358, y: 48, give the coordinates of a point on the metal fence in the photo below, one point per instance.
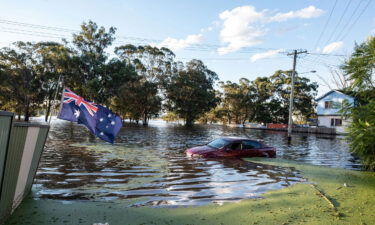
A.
x: 21, y: 146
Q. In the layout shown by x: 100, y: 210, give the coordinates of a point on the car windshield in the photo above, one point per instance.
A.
x: 218, y: 143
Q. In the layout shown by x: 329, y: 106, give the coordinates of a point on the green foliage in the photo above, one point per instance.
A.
x: 152, y: 63
x: 237, y: 102
x: 170, y: 117
x: 137, y: 81
x: 138, y: 100
x: 359, y: 69
x: 154, y: 66
x: 190, y: 91
x: 304, y: 95
x: 53, y: 60
x: 266, y: 99
x: 29, y: 71
x: 21, y: 88
x: 362, y: 133
x: 90, y: 73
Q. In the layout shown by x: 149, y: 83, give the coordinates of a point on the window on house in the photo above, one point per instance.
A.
x: 328, y: 104
x: 336, y: 122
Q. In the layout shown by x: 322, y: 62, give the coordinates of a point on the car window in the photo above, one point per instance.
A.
x: 218, y: 143
x: 236, y: 146
x: 251, y: 144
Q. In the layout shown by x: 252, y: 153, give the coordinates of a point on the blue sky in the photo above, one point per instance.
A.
x: 235, y: 38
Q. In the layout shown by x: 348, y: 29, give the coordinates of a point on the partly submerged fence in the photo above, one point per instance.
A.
x: 311, y: 130
x: 21, y: 146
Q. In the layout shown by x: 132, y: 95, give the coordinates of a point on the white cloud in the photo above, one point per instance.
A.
x: 245, y: 26
x: 305, y: 13
x: 212, y: 26
x: 264, y: 55
x: 334, y: 46
x: 238, y: 30
x: 178, y: 44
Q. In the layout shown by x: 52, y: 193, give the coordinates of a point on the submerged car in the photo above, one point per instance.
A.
x: 232, y: 147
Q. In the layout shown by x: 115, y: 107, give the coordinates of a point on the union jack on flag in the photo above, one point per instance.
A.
x: 101, y: 121
x: 70, y: 96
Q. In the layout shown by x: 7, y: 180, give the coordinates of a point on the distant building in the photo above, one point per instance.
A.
x: 328, y: 109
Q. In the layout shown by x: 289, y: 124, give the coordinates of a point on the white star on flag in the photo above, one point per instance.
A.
x: 76, y: 113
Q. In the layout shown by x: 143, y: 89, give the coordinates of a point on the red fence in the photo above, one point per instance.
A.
x: 276, y: 125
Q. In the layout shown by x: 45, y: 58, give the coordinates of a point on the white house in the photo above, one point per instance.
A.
x: 328, y: 108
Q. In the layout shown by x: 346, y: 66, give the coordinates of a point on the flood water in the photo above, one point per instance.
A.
x: 147, y: 167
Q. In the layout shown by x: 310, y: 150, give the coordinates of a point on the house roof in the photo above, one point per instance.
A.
x: 328, y: 93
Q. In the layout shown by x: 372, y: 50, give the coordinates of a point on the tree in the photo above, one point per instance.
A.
x: 154, y: 66
x: 304, y: 95
x: 263, y: 91
x: 119, y: 74
x: 138, y: 100
x: 152, y: 63
x: 22, y: 87
x: 237, y: 100
x: 53, y: 61
x: 90, y: 60
x: 359, y: 69
x: 190, y: 92
x: 266, y: 99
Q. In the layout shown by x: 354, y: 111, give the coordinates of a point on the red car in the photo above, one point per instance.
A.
x: 232, y: 147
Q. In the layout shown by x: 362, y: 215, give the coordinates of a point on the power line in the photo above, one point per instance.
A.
x: 316, y: 61
x: 335, y: 28
x: 349, y: 20
x: 59, y: 32
x: 130, y: 39
x: 359, y: 16
x: 325, y: 25
x: 32, y: 32
x: 36, y: 26
x: 324, y: 54
x: 338, y: 24
x: 228, y: 59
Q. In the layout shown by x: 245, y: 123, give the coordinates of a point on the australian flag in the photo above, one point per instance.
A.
x: 101, y: 121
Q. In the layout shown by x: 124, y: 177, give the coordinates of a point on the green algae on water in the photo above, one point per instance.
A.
x: 351, y: 192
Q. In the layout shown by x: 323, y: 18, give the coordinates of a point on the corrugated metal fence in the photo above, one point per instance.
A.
x: 21, y: 146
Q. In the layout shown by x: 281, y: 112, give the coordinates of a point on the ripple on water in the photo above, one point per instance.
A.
x: 148, y: 167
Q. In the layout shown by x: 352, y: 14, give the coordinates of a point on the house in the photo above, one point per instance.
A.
x: 328, y: 110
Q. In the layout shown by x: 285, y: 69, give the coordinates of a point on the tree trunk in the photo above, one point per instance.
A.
x: 189, y: 121
x: 27, y: 112
x: 145, y: 120
x: 48, y: 110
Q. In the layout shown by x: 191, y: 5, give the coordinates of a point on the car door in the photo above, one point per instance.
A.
x: 251, y: 148
x: 233, y: 149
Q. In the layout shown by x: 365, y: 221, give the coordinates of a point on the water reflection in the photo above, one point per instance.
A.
x: 147, y: 165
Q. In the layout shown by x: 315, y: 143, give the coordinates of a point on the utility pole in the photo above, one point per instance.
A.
x: 291, y: 99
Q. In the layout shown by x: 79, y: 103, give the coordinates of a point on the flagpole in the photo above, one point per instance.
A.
x: 54, y: 99
x: 62, y: 94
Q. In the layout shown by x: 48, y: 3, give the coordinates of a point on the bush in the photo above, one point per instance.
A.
x: 362, y: 133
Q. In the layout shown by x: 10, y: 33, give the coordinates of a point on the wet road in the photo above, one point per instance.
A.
x: 147, y: 166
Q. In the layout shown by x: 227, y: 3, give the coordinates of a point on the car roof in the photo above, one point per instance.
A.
x: 237, y: 139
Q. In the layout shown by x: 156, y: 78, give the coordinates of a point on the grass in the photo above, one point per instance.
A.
x: 337, y: 196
